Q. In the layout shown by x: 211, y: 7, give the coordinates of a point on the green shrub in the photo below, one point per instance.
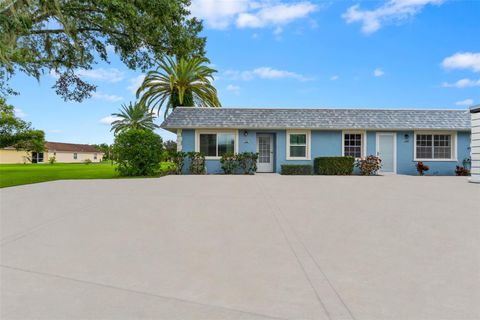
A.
x: 247, y: 162
x: 461, y: 171
x: 296, y: 169
x: 52, y: 160
x: 333, y: 165
x: 369, y: 166
x: 87, y: 161
x: 197, y: 162
x: 178, y: 158
x: 167, y: 168
x: 137, y: 152
x: 229, y: 162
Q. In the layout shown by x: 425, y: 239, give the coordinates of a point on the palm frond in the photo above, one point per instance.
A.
x: 179, y: 83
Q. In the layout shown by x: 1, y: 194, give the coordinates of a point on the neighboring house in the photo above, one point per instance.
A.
x: 475, y: 145
x: 439, y: 138
x: 63, y: 152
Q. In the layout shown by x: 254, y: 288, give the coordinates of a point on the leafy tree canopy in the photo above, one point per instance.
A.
x: 40, y: 36
x: 137, y: 152
x: 17, y: 133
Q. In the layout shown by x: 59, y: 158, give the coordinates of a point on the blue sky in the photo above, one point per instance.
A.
x: 268, y: 53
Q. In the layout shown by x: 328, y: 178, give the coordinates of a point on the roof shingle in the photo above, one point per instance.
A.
x: 257, y: 118
x: 72, y: 147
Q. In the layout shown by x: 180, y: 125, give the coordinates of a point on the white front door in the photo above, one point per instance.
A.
x: 386, y: 151
x: 265, y: 152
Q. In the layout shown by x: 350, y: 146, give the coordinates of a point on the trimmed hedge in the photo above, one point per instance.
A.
x: 333, y: 165
x: 296, y: 169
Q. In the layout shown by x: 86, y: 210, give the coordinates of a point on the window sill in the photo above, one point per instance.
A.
x: 213, y: 158
x: 295, y: 158
x: 435, y: 160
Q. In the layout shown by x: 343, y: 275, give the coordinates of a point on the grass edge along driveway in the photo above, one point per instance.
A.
x: 18, y: 174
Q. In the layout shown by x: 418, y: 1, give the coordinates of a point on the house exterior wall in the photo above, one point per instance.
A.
x: 329, y: 143
x: 67, y: 156
x: 13, y: 156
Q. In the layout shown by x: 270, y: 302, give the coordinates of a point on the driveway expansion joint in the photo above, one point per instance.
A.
x: 328, y: 297
x: 140, y: 292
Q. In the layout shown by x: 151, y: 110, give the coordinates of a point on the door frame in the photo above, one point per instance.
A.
x: 272, y: 147
x: 377, y: 143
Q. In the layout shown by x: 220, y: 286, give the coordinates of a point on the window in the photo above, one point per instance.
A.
x: 94, y: 156
x: 75, y: 156
x: 298, y: 145
x: 37, y: 157
x: 216, y: 144
x: 353, y: 144
x: 434, y: 146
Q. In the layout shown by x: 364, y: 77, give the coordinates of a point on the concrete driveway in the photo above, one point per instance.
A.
x: 242, y: 247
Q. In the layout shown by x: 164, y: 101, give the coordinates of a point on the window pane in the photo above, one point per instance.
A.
x: 355, y: 151
x: 442, y: 146
x: 226, y: 143
x: 352, y: 145
x: 298, y: 139
x: 424, y: 146
x: 208, y: 144
x: 298, y: 151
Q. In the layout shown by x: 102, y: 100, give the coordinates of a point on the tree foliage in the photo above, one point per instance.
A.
x: 137, y: 152
x: 40, y: 36
x: 179, y: 82
x: 105, y: 149
x: 133, y: 116
x: 17, y: 133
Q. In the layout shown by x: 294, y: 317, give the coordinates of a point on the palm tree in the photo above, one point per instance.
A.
x: 133, y: 116
x: 179, y: 82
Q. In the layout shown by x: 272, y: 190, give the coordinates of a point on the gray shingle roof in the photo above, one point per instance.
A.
x: 251, y: 118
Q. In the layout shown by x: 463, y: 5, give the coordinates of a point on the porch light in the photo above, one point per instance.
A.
x: 405, y: 137
x: 245, y: 133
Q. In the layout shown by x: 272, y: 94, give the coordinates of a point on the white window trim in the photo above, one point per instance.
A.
x: 214, y: 131
x: 307, y: 147
x: 364, y: 141
x: 454, y: 145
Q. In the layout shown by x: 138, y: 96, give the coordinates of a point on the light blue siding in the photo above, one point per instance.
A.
x: 329, y: 143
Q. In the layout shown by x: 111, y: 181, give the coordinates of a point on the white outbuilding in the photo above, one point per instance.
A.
x: 475, y: 144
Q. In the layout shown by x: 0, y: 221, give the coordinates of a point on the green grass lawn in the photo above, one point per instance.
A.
x: 17, y: 174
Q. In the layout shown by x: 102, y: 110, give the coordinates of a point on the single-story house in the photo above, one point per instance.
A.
x: 475, y: 145
x: 401, y: 138
x: 63, y: 153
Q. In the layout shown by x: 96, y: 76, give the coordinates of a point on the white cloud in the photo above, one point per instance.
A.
x: 220, y: 14
x: 462, y: 83
x: 378, y: 72
x: 108, y: 120
x: 135, y: 83
x: 233, y: 88
x: 101, y: 74
x: 466, y: 102
x: 106, y: 97
x: 390, y: 11
x: 275, y: 15
x: 334, y: 78
x: 463, y: 60
x: 19, y: 113
x: 264, y: 73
